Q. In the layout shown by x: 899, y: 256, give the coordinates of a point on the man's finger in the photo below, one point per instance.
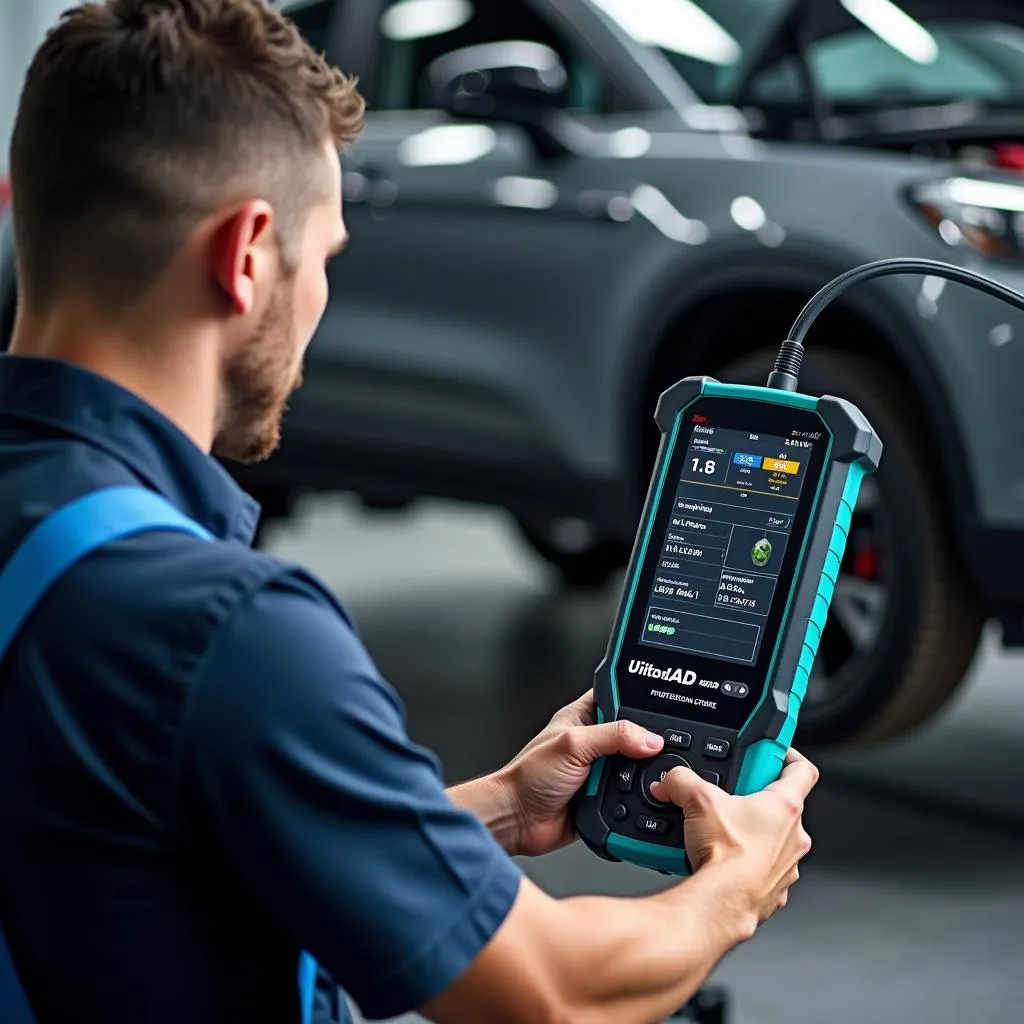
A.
x: 583, y: 709
x: 798, y: 776
x: 621, y: 737
x: 685, y: 788
x: 793, y: 756
x: 581, y: 712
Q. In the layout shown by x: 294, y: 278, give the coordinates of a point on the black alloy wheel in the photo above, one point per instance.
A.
x: 905, y: 620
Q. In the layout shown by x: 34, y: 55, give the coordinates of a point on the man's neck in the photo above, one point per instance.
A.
x: 178, y: 378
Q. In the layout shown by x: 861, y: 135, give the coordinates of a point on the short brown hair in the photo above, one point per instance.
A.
x: 140, y: 117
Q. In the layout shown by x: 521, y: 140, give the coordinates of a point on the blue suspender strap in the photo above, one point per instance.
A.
x: 51, y: 548
x: 68, y: 535
x: 307, y: 986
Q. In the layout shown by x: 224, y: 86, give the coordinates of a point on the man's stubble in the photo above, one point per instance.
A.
x: 257, y: 384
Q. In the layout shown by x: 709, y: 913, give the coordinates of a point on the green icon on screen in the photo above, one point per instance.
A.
x: 761, y: 551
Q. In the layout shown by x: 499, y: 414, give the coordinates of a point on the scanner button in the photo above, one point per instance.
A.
x: 624, y: 777
x: 716, y: 749
x: 620, y: 812
x: 678, y: 739
x: 655, y: 772
x: 645, y: 823
x: 713, y: 777
x: 734, y: 689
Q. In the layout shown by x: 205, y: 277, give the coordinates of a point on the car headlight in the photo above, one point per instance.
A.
x: 987, y: 216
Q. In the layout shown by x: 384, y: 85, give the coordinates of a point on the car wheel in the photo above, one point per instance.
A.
x: 905, y: 620
x: 583, y: 558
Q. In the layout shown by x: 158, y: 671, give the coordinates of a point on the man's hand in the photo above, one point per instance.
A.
x: 548, y: 772
x: 654, y: 951
x: 762, y: 835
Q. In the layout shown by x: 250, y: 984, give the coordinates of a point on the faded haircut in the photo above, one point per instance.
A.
x: 138, y: 118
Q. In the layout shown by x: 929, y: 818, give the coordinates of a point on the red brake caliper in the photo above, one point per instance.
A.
x: 865, y: 563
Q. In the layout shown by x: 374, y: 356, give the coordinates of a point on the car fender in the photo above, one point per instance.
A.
x: 691, y: 279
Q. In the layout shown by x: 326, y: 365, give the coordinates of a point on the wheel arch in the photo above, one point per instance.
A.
x: 684, y: 327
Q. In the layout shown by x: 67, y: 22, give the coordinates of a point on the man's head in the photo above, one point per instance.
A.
x: 187, y: 144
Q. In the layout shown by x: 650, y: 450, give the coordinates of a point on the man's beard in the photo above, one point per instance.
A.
x: 257, y: 384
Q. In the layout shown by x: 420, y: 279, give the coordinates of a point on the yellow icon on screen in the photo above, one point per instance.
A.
x: 780, y: 466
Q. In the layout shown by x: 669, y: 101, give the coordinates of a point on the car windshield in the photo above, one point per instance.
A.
x: 874, y: 52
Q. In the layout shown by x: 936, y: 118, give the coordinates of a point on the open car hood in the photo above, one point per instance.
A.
x: 812, y: 20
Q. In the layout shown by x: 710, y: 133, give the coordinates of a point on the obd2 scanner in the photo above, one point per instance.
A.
x: 729, y: 584
x: 726, y: 597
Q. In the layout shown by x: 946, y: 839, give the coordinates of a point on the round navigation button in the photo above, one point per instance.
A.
x: 656, y: 771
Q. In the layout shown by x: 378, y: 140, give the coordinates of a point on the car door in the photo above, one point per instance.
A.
x: 460, y: 313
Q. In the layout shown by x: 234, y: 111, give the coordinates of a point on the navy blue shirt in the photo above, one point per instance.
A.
x: 201, y: 769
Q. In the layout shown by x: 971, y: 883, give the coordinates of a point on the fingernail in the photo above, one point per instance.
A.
x: 652, y: 740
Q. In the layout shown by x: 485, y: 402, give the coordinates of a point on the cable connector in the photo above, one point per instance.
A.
x: 786, y: 375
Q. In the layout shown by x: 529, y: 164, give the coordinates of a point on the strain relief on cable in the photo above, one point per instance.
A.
x: 786, y: 375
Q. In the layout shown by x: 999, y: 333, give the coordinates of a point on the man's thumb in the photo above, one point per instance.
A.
x: 685, y: 788
x: 590, y: 742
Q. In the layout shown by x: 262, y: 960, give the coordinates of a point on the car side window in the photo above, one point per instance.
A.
x: 313, y: 19
x: 414, y: 33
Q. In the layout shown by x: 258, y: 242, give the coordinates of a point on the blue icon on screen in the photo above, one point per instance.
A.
x: 746, y: 460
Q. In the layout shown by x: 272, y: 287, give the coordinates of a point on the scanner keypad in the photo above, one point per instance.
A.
x: 677, y: 739
x: 656, y: 771
x: 631, y: 810
x: 716, y: 749
x: 653, y: 826
x: 624, y: 775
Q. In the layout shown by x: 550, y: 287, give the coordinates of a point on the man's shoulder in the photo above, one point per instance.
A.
x: 130, y: 636
x: 120, y: 645
x: 160, y: 600
x: 178, y: 583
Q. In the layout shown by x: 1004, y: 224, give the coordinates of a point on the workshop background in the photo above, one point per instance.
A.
x: 911, y: 904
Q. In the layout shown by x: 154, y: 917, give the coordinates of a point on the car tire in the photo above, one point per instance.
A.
x: 901, y: 573
x: 583, y: 559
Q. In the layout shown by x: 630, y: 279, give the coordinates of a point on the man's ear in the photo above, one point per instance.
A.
x: 242, y: 253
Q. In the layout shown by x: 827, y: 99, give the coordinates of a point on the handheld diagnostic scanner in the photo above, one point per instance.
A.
x: 729, y: 585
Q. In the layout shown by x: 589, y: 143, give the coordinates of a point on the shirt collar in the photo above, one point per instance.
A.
x: 90, y: 407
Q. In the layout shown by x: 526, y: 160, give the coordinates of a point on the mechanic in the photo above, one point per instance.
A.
x: 203, y: 771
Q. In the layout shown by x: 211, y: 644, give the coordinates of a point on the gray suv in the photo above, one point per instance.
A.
x: 560, y: 207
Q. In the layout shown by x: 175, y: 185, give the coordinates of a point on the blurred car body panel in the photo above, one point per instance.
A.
x: 559, y: 207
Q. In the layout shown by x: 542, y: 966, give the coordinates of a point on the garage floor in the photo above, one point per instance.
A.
x: 911, y: 907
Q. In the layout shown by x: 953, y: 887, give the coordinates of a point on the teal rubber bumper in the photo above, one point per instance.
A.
x: 764, y: 760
